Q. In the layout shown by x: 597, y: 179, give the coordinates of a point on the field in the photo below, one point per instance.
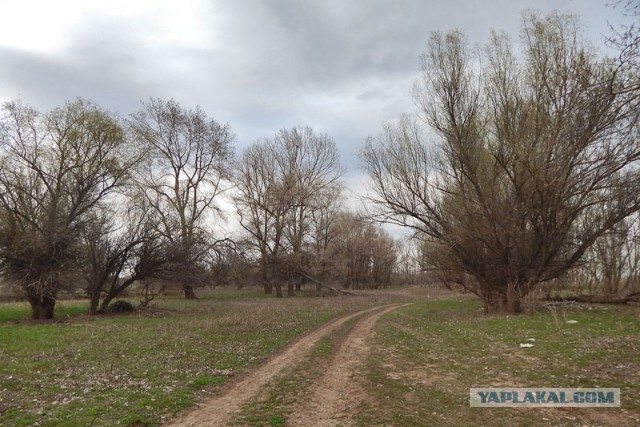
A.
x: 405, y: 364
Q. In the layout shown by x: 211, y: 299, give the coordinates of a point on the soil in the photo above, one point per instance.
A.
x: 334, y: 396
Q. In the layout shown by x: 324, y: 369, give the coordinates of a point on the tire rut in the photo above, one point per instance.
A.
x: 335, y: 396
x: 219, y: 410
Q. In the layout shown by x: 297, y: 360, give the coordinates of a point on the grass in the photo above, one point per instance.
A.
x: 141, y: 368
x: 22, y: 310
x: 427, y: 356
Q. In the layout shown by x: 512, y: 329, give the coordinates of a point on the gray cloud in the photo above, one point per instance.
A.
x: 341, y: 67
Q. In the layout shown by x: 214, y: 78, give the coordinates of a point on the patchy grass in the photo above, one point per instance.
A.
x: 427, y: 356
x: 139, y: 368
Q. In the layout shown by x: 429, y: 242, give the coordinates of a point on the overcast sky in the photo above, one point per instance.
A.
x: 342, y: 67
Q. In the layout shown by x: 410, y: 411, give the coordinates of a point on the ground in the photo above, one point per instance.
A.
x: 388, y: 358
x: 330, y: 399
x: 378, y: 371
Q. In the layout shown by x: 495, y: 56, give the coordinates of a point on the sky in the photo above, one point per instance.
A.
x: 341, y: 67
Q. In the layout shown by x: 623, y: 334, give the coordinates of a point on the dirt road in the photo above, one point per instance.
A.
x: 335, y: 392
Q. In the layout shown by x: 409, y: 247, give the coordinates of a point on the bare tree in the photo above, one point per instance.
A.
x: 190, y: 155
x: 362, y: 254
x: 118, y: 249
x: 280, y: 182
x: 536, y: 159
x: 55, y: 170
x: 613, y: 263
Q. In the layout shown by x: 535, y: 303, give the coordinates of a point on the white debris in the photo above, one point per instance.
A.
x: 572, y: 321
x: 531, y: 339
x: 526, y: 345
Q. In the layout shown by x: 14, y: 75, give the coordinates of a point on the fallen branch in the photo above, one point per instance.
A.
x: 590, y: 299
x: 318, y: 282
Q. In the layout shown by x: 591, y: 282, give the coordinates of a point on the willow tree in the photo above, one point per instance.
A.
x: 56, y: 169
x: 535, y: 156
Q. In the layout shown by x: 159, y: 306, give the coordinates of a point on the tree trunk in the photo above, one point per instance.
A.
x: 268, y: 287
x: 278, y: 290
x: 104, y: 307
x: 42, y: 306
x: 494, y: 301
x: 290, y: 292
x: 93, y: 303
x: 189, y: 292
x: 514, y: 305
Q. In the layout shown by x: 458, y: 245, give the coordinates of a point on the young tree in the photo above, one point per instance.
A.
x: 55, y: 170
x: 189, y: 160
x: 537, y: 157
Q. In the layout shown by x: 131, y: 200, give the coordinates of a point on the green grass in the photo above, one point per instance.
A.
x: 21, y: 310
x: 142, y: 368
x: 427, y: 356
x: 110, y: 370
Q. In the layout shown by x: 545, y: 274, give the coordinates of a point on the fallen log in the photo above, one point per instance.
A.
x: 633, y: 298
x: 324, y: 285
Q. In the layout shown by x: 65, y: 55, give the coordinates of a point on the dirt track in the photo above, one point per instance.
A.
x: 334, y: 392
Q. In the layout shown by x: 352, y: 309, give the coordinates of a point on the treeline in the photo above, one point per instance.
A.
x: 88, y: 197
x: 520, y: 170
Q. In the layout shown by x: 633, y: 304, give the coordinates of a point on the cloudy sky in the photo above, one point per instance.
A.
x: 342, y: 67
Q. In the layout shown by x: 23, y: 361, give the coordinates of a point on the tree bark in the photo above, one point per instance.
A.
x: 514, y: 305
x: 290, y: 292
x: 94, y: 302
x: 42, y: 307
x: 189, y: 292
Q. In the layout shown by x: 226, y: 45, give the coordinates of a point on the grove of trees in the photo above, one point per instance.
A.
x: 289, y: 204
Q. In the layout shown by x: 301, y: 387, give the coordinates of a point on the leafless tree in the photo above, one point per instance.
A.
x: 56, y: 169
x: 536, y: 157
x: 119, y: 248
x: 280, y: 183
x: 189, y: 161
x: 612, y: 264
x: 359, y: 254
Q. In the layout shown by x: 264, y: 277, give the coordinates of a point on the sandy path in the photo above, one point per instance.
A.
x: 219, y: 410
x: 335, y: 395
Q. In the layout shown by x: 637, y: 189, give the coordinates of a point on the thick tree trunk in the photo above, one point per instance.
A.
x: 42, y: 307
x: 189, y: 292
x: 104, y: 307
x: 268, y: 288
x: 278, y: 287
x: 111, y: 295
x: 494, y: 301
x: 94, y: 301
